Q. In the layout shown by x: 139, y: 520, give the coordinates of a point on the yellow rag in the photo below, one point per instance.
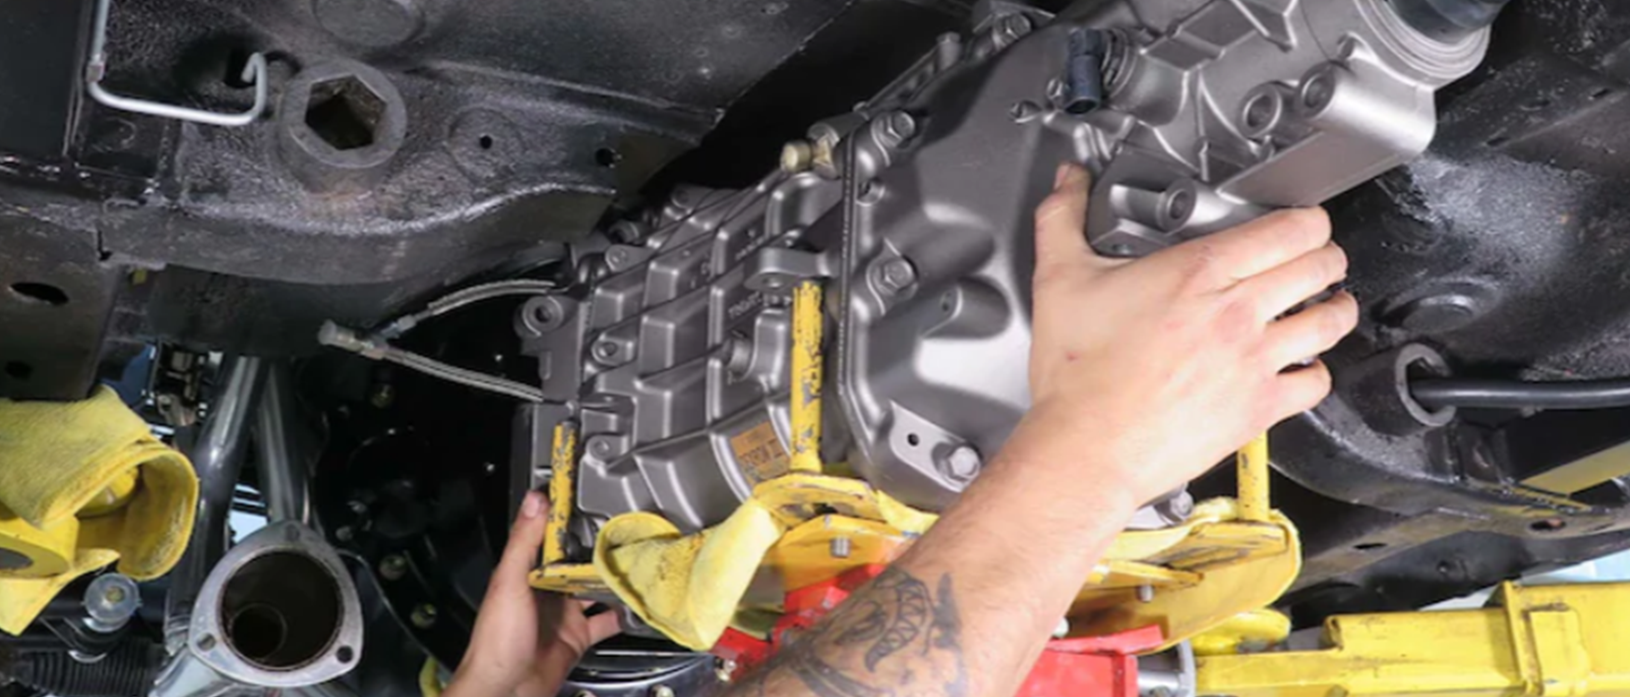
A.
x: 689, y: 586
x: 89, y: 474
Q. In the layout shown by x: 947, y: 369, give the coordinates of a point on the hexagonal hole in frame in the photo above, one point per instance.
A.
x: 344, y: 113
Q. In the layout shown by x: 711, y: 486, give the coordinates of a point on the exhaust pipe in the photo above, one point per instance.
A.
x: 279, y: 610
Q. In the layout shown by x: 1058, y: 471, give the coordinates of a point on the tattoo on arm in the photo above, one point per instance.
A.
x: 860, y: 649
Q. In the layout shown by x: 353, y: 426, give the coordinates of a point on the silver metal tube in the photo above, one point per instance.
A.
x: 285, y: 477
x: 217, y: 456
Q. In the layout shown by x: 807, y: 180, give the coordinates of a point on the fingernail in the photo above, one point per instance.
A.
x: 532, y: 505
x: 1061, y: 175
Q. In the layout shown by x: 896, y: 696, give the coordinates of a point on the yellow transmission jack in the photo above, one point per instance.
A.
x: 1227, y: 561
x: 1548, y: 641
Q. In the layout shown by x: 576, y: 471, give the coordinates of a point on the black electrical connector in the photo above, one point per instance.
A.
x: 1084, y: 72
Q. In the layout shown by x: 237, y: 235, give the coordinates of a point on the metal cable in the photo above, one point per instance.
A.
x: 1437, y: 393
x: 378, y: 349
x: 461, y: 298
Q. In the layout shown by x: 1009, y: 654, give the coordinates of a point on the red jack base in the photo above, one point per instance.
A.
x: 1106, y: 665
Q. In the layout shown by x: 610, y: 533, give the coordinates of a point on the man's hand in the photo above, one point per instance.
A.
x: 526, y: 641
x: 1166, y: 364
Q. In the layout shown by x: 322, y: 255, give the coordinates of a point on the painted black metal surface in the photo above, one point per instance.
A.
x: 1504, y: 248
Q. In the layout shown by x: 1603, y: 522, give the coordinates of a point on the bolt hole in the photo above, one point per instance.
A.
x: 1318, y: 91
x: 606, y: 157
x: 1497, y: 141
x: 206, y: 642
x: 1259, y: 113
x: 871, y: 191
x: 1548, y: 525
x: 1180, y: 205
x: 19, y: 370
x: 543, y: 315
x: 485, y: 142
x: 40, y: 293
x: 1369, y: 546
x: 346, y: 654
x: 913, y: 440
x: 948, y: 302
x: 1537, y: 104
x: 344, y: 113
x: 1602, y: 93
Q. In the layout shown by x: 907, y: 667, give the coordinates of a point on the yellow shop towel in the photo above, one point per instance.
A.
x: 688, y: 586
x: 58, y: 464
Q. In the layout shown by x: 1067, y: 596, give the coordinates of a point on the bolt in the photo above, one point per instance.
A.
x: 840, y: 548
x: 605, y: 350
x: 662, y: 691
x: 726, y: 669
x: 617, y: 256
x: 1062, y: 629
x: 895, y: 275
x: 797, y: 156
x: 1015, y: 25
x: 963, y: 463
x: 393, y: 567
x: 357, y: 507
x: 897, y: 128
x: 344, y: 533
x: 1146, y: 593
x: 424, y: 616
x: 383, y: 395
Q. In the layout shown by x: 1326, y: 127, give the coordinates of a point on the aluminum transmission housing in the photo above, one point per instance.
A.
x: 671, y: 354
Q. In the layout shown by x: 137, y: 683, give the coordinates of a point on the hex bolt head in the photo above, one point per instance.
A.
x: 841, y: 547
x: 896, y: 275
x: 393, y: 567
x: 897, y: 128
x: 963, y: 464
x: 110, y: 602
x: 424, y: 616
x: 662, y: 691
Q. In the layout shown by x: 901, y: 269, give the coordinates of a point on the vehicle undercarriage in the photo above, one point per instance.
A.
x: 366, y: 261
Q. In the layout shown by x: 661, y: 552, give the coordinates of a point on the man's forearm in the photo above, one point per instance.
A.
x: 970, y: 606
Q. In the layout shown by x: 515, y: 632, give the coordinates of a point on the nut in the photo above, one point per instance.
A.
x: 424, y: 616
x: 393, y: 567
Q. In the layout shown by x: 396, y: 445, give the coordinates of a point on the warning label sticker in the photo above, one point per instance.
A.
x: 760, y: 454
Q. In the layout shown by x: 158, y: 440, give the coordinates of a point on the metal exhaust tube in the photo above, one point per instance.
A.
x: 217, y: 455
x: 280, y: 610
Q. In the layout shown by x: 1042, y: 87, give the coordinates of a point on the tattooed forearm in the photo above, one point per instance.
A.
x: 892, y: 638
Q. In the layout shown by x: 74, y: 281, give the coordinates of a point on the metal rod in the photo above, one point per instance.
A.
x: 806, y: 377
x: 217, y: 456
x: 285, y: 480
x: 1253, y: 479
x: 254, y: 72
